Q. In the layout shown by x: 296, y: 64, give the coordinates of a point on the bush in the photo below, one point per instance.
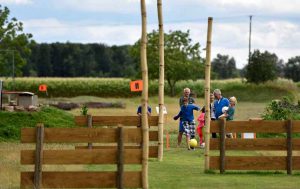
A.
x: 282, y: 110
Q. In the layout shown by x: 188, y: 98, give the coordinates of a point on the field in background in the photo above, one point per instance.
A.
x: 244, y: 110
x: 117, y: 87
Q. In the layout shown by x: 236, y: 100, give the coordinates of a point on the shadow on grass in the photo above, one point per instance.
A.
x: 251, y: 172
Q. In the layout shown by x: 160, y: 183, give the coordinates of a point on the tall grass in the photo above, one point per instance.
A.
x: 116, y: 87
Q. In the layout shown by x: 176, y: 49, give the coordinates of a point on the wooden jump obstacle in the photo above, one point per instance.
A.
x: 65, y: 179
x: 121, y: 121
x: 288, y: 144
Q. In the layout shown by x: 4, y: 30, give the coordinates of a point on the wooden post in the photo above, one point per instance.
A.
x: 144, y: 69
x: 120, y: 176
x: 1, y: 86
x: 207, y: 93
x: 90, y: 125
x: 161, y: 82
x: 289, y: 162
x: 222, y: 145
x: 38, y: 156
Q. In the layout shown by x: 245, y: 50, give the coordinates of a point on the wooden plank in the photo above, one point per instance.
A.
x: 38, y: 156
x: 289, y: 161
x: 153, y: 150
x: 83, y: 156
x: 153, y: 136
x: 84, y: 135
x: 255, y: 126
x: 82, y: 179
x: 222, y: 146
x: 120, y: 166
x: 254, y: 163
x: 90, y: 125
x: 267, y: 144
x: 115, y: 120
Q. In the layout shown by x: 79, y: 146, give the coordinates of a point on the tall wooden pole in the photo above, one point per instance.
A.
x: 207, y: 93
x: 250, y: 28
x: 144, y: 69
x: 161, y: 82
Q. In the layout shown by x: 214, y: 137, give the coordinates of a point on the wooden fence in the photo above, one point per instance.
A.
x: 288, y: 144
x: 101, y: 179
x: 123, y: 121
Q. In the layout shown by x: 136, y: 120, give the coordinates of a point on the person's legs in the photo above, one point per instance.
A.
x: 187, y: 132
x: 179, y: 138
x: 181, y: 130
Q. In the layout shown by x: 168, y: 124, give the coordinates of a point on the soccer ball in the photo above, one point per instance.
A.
x: 224, y: 109
x: 193, y: 143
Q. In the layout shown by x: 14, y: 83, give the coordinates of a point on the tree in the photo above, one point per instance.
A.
x: 292, y: 69
x: 182, y: 58
x: 14, y: 44
x: 262, y: 67
x: 224, y: 67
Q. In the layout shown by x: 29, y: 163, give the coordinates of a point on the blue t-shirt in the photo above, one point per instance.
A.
x: 219, y: 104
x: 139, y: 110
x: 186, y: 112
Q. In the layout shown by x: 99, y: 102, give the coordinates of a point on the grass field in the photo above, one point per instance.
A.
x: 180, y: 168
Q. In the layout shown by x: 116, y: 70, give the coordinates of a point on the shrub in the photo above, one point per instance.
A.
x: 282, y: 110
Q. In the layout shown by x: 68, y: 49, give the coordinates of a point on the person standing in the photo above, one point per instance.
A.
x: 187, y: 117
x: 191, y: 100
x: 219, y: 103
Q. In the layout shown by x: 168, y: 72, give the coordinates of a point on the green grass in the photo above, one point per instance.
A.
x: 12, y: 122
x: 185, y: 169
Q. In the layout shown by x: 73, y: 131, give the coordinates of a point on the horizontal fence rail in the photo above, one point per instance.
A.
x: 82, y: 179
x: 82, y: 135
x: 256, y: 126
x: 289, y: 144
x: 115, y: 120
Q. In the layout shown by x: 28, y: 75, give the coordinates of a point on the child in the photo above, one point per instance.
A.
x: 187, y: 118
x: 201, y: 124
x: 229, y: 112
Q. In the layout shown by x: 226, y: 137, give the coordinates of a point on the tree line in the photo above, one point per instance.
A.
x: 79, y: 60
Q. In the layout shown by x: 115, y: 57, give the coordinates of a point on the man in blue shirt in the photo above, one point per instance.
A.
x: 219, y: 103
x: 139, y: 111
x: 187, y: 118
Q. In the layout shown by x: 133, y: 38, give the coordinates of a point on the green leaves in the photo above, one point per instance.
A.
x: 262, y: 67
x: 182, y: 57
x: 282, y: 110
x: 14, y: 44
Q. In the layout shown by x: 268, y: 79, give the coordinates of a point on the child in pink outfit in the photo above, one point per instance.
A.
x: 201, y: 120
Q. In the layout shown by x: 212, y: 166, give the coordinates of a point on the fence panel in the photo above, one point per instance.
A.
x: 289, y: 144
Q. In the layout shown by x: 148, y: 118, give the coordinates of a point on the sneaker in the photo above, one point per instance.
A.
x: 202, y: 145
x: 192, y: 148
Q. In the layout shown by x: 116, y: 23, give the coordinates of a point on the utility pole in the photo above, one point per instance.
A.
x: 250, y: 28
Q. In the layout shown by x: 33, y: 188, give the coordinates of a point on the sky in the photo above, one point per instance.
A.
x: 275, y: 24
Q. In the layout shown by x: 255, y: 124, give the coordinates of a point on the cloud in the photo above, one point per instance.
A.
x: 18, y: 2
x: 117, y: 6
x: 280, y: 37
x: 276, y: 6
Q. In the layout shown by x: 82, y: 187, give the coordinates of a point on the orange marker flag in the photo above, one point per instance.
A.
x: 43, y: 88
x: 136, y: 85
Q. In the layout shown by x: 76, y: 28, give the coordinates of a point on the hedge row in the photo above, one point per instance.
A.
x: 114, y: 87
